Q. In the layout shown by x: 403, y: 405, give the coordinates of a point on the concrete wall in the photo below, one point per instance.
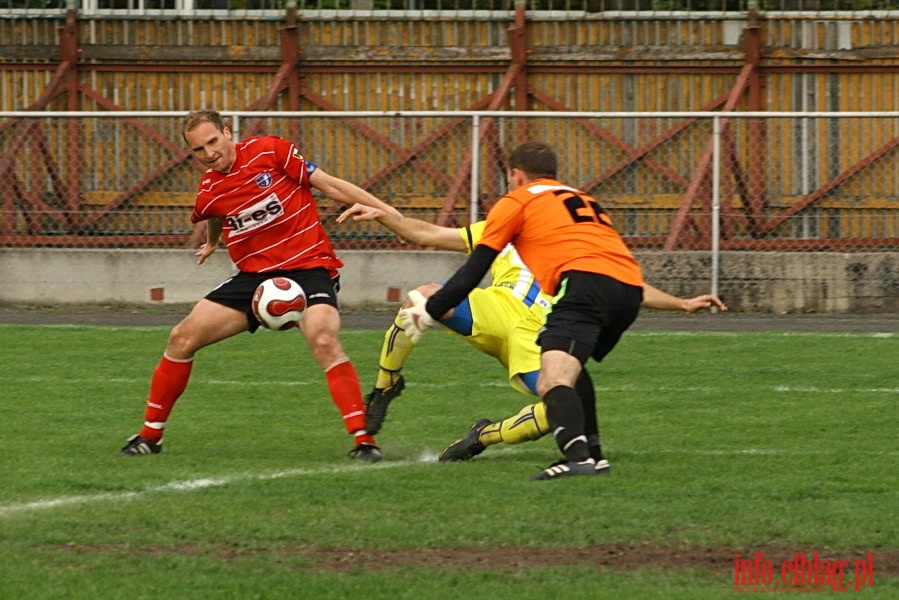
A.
x: 750, y: 281
x: 784, y: 282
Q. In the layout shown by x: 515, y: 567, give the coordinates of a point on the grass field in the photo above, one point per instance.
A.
x: 720, y: 443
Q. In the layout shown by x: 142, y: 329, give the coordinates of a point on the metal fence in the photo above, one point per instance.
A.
x: 778, y: 180
x: 710, y: 182
x: 260, y: 7
x: 758, y: 188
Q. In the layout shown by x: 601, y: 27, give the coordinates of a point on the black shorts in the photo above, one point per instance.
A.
x: 589, y: 315
x: 237, y: 292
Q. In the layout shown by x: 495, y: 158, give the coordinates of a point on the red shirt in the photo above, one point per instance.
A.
x: 555, y: 229
x: 269, y: 218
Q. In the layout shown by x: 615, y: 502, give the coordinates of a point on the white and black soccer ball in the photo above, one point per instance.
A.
x: 279, y: 303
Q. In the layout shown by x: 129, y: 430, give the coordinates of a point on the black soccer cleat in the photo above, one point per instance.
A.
x: 603, y: 467
x: 469, y: 446
x: 567, y: 468
x: 137, y: 445
x: 366, y: 452
x: 376, y: 403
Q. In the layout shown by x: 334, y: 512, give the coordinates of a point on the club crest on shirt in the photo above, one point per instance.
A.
x: 264, y: 180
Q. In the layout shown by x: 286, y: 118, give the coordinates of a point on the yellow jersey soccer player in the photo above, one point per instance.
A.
x: 500, y: 320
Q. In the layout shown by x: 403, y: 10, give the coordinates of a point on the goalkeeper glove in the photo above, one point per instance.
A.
x: 415, y: 320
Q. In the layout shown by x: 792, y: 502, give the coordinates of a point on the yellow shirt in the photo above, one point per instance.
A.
x: 508, y: 270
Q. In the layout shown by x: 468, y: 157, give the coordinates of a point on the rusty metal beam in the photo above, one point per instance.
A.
x: 404, y: 156
x: 755, y: 200
x: 519, y: 51
x: 831, y: 185
x: 688, y: 230
x: 700, y: 179
x: 499, y: 96
x: 72, y: 217
x: 515, y: 78
x: 731, y: 164
x: 286, y: 76
x: 68, y: 47
x: 134, y: 190
x: 633, y: 154
x: 139, y: 125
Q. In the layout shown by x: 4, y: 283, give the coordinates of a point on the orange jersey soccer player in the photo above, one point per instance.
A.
x: 501, y: 320
x: 577, y: 257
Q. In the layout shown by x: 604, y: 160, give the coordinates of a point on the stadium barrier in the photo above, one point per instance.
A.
x: 812, y: 197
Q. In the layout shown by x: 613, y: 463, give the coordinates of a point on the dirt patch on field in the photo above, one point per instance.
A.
x: 606, y: 556
x: 619, y: 557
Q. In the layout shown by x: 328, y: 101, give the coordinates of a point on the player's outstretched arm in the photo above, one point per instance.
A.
x: 659, y: 300
x: 703, y: 301
x: 410, y: 229
x: 345, y: 192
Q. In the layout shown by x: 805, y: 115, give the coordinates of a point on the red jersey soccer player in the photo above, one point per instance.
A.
x: 257, y: 197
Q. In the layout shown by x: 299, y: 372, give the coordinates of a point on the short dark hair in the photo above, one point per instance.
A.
x: 195, y: 117
x: 536, y: 159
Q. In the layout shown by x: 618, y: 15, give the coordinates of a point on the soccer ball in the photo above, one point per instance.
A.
x: 279, y: 303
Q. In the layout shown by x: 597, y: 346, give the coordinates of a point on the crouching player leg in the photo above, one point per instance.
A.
x: 521, y: 355
x: 389, y: 384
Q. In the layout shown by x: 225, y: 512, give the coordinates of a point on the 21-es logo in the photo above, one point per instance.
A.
x: 802, y: 574
x: 255, y: 216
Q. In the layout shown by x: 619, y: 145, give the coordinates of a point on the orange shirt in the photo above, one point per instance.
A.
x: 556, y: 228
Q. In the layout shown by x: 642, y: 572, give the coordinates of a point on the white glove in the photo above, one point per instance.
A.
x: 415, y: 320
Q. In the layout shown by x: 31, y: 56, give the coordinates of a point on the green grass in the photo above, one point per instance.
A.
x: 720, y: 443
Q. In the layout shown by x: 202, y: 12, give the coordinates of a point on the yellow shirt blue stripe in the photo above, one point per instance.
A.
x: 508, y: 270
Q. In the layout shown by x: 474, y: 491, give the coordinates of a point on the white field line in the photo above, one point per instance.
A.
x: 196, y: 484
x: 426, y: 457
x: 498, y: 383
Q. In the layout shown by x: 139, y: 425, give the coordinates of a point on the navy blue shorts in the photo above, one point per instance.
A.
x: 589, y: 315
x: 237, y: 292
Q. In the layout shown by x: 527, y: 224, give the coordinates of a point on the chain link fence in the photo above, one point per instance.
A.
x: 794, y: 184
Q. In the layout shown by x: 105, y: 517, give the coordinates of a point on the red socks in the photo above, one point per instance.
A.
x: 171, y: 376
x: 168, y: 383
x: 346, y: 392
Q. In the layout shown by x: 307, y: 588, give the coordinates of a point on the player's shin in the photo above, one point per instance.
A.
x: 587, y: 393
x: 530, y: 423
x: 168, y: 383
x: 566, y: 419
x: 394, y: 352
x: 346, y: 392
